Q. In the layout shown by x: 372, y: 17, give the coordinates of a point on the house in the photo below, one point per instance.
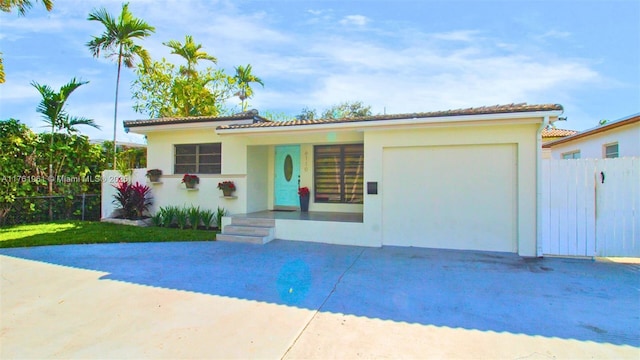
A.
x: 456, y: 179
x: 618, y: 138
x: 550, y: 134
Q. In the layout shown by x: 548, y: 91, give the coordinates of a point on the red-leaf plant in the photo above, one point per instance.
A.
x: 134, y: 199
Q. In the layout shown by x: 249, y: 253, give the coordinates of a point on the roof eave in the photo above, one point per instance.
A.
x: 394, y: 123
x: 594, y: 131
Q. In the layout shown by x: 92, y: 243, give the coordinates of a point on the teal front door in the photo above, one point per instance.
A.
x: 287, y: 173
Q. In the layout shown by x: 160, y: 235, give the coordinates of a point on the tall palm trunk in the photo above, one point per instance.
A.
x: 115, y: 111
x: 50, y: 178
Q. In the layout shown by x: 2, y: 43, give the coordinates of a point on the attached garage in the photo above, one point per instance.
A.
x: 452, y: 197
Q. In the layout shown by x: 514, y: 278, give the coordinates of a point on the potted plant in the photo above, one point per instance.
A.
x: 154, y: 175
x: 303, y: 192
x: 190, y: 180
x: 227, y: 187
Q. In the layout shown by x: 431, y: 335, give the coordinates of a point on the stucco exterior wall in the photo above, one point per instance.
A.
x: 306, y: 142
x: 592, y: 147
x: 171, y: 191
x: 522, y: 136
x: 248, y: 160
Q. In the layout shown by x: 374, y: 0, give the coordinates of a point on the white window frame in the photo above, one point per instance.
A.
x: 604, y: 150
x: 573, y: 154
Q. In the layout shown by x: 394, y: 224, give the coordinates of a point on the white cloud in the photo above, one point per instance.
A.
x: 554, y: 34
x: 459, y: 35
x: 358, y: 20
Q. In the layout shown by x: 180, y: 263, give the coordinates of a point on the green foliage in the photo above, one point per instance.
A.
x: 127, y: 157
x: 191, y: 52
x: 17, y: 163
x: 118, y: 41
x: 280, y: 116
x: 23, y: 5
x: 307, y: 114
x: 163, y: 91
x: 220, y: 212
x: 156, y: 219
x: 340, y: 111
x: 87, y: 232
x: 243, y: 79
x: 24, y: 170
x: 194, y: 217
x: 168, y: 215
x: 181, y: 217
x: 347, y: 110
x: 52, y: 107
x: 206, y: 216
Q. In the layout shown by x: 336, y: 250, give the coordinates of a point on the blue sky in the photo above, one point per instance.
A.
x: 397, y: 56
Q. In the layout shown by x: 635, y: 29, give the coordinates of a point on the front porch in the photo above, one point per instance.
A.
x: 310, y: 216
x: 315, y: 226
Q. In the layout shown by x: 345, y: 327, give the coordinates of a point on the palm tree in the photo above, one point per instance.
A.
x: 22, y: 6
x: 191, y: 52
x: 53, y: 113
x: 243, y: 78
x: 118, y: 41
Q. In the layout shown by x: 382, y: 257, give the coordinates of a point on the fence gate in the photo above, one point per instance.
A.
x: 591, y: 207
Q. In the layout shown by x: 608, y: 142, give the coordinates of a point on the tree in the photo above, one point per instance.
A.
x: 347, y: 110
x: 118, y: 41
x: 52, y: 107
x: 190, y: 51
x: 307, y: 114
x: 17, y: 163
x: 53, y: 113
x: 243, y: 78
x: 22, y: 6
x: 162, y: 91
x: 340, y: 111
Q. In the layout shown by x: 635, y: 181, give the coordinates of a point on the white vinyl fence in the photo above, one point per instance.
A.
x: 591, y: 207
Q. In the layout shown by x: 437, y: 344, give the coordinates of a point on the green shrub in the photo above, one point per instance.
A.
x: 194, y: 216
x: 219, y: 214
x: 168, y: 215
x: 182, y: 216
x: 207, y: 217
x: 156, y: 219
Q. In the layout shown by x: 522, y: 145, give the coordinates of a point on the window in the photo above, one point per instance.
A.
x: 338, y: 173
x: 571, y: 155
x: 611, y: 151
x: 198, y: 158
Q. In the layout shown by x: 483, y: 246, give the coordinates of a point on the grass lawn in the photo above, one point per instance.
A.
x: 90, y: 232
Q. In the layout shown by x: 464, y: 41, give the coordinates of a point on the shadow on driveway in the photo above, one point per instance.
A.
x: 565, y: 298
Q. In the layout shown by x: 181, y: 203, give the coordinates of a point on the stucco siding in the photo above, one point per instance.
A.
x: 172, y: 192
x: 523, y: 138
x: 591, y: 147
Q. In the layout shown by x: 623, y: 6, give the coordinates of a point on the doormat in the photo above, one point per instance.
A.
x: 284, y: 210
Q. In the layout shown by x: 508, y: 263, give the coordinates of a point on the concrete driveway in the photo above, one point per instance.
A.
x: 302, y: 300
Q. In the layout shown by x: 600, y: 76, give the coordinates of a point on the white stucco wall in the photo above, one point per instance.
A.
x: 592, y: 146
x: 522, y: 136
x: 171, y: 190
x: 248, y: 160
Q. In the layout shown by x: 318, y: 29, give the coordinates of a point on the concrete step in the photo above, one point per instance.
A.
x: 244, y: 238
x: 253, y: 222
x: 249, y: 230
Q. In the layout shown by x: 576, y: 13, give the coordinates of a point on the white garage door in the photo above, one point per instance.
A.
x: 450, y: 197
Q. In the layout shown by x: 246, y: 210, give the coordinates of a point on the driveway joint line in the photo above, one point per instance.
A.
x: 323, y: 303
